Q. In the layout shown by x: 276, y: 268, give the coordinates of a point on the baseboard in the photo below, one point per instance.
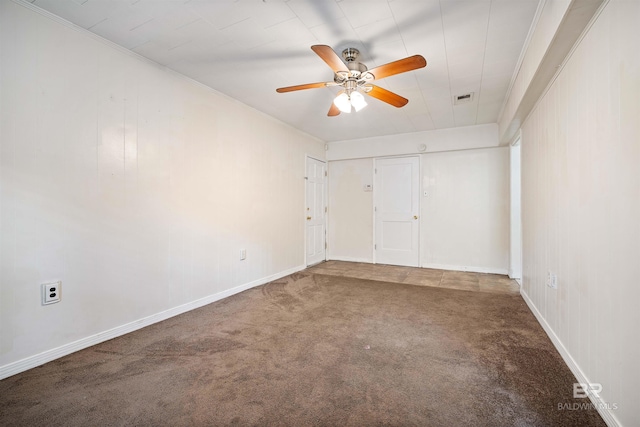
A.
x: 517, y: 279
x: 502, y: 271
x: 602, y: 406
x: 350, y: 259
x: 55, y: 353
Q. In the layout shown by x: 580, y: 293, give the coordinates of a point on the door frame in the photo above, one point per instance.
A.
x: 304, y: 207
x: 515, y: 210
x: 373, y: 207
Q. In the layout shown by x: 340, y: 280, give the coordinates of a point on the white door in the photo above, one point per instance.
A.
x: 316, y: 210
x: 396, y: 198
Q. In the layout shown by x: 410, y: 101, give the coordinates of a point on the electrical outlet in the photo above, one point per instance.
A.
x: 51, y: 293
x: 243, y: 254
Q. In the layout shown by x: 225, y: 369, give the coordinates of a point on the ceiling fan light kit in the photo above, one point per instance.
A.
x: 356, y: 79
x: 345, y: 101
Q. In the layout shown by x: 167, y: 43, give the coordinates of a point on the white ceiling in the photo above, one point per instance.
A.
x: 248, y: 48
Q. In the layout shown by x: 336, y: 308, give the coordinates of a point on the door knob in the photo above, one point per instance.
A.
x: 308, y: 218
x: 415, y: 217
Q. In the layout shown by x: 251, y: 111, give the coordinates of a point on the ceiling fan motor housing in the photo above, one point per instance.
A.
x: 356, y: 68
x: 350, y: 54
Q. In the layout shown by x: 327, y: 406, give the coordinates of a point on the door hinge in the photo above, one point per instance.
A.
x: 375, y: 170
x: 325, y: 173
x: 325, y: 209
x: 375, y: 209
x: 375, y: 247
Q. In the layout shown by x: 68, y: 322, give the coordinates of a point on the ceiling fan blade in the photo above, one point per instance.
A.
x: 387, y: 96
x: 301, y: 87
x: 330, y: 57
x: 333, y: 110
x: 400, y: 66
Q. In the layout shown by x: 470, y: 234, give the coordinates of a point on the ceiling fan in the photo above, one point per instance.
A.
x: 356, y: 79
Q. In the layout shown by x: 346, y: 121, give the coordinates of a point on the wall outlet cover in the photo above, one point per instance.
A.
x: 51, y: 293
x: 552, y: 280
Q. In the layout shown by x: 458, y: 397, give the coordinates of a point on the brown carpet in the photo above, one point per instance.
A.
x: 314, y: 349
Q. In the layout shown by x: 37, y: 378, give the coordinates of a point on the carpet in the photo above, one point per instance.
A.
x: 314, y: 350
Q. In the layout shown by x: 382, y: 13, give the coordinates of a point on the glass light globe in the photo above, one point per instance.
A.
x: 342, y: 102
x: 358, y: 101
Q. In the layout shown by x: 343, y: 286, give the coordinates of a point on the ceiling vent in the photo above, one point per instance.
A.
x: 463, y: 99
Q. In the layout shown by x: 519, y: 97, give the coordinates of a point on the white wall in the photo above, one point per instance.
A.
x: 462, y: 138
x: 581, y: 209
x: 350, y: 232
x: 465, y: 215
x: 464, y: 222
x: 133, y: 186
